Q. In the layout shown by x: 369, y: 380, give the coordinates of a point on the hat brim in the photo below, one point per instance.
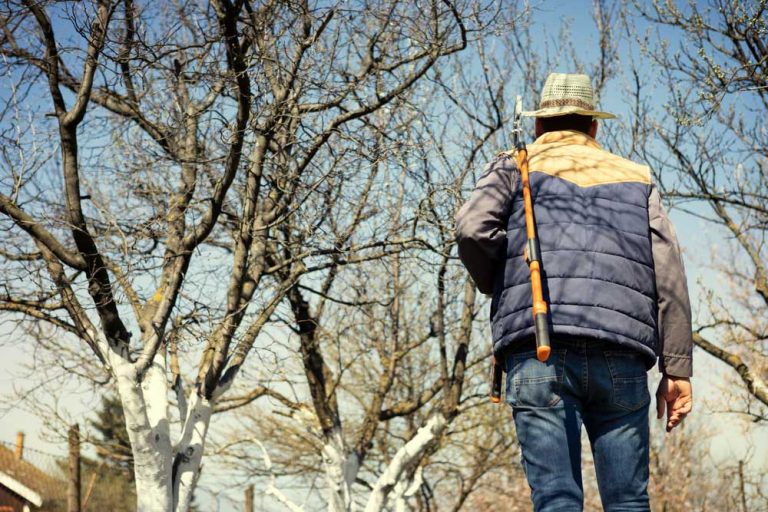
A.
x: 564, y: 111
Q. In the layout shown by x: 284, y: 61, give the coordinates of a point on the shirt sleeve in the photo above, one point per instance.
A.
x: 481, y: 222
x: 674, y: 315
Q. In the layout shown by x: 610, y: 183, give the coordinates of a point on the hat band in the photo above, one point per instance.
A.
x: 566, y: 102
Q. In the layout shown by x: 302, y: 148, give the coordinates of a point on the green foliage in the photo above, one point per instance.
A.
x: 111, y: 475
x: 114, y: 445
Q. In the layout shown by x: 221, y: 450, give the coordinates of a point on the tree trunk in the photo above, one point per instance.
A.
x: 145, y: 407
x: 189, y: 452
x: 405, y: 457
x: 341, y: 468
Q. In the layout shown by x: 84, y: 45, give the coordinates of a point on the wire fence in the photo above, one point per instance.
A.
x: 44, y: 461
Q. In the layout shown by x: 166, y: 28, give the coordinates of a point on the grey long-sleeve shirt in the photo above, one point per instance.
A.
x: 481, y: 235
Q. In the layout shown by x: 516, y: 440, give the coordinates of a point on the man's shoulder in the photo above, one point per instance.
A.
x: 504, y: 159
x: 503, y: 162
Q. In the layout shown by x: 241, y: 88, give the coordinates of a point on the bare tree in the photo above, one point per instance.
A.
x: 241, y: 205
x: 708, y: 152
x: 203, y: 156
x: 396, y: 345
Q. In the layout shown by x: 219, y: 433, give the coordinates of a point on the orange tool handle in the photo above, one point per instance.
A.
x: 533, y: 258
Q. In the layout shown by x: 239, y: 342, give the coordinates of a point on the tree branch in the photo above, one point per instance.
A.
x: 755, y: 385
x: 40, y: 234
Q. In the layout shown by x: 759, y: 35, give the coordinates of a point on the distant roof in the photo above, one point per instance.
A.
x: 22, y: 490
x: 27, y: 480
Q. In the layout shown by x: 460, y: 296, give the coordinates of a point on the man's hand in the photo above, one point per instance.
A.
x: 674, y: 395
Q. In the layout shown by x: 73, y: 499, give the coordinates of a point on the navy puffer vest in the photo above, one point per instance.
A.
x: 591, y: 210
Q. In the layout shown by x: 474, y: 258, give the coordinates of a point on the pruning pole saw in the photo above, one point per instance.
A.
x: 532, y: 258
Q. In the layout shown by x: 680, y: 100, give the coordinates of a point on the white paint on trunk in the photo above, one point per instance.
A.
x: 145, y: 408
x: 341, y: 468
x: 403, y: 459
x: 189, y: 451
x: 405, y: 488
x: 272, y: 489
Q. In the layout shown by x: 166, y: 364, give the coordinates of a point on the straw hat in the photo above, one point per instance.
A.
x: 566, y: 93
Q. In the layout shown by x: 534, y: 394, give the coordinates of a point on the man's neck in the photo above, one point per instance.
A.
x: 567, y: 137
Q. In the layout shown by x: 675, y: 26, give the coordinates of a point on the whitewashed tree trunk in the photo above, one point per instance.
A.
x: 146, y: 417
x: 341, y: 468
x: 189, y: 451
x: 406, y: 488
x: 272, y: 489
x: 405, y: 457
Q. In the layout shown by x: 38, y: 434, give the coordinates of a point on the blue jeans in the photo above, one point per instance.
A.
x: 601, y: 385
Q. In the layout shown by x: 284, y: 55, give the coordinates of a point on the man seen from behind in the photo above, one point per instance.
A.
x: 614, y: 280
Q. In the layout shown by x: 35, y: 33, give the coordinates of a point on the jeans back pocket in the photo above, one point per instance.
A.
x: 532, y: 383
x: 629, y: 378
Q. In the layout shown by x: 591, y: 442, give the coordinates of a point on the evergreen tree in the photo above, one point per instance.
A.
x: 114, y: 445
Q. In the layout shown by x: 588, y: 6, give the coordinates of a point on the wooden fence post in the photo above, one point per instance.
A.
x: 249, y: 498
x: 73, y: 488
